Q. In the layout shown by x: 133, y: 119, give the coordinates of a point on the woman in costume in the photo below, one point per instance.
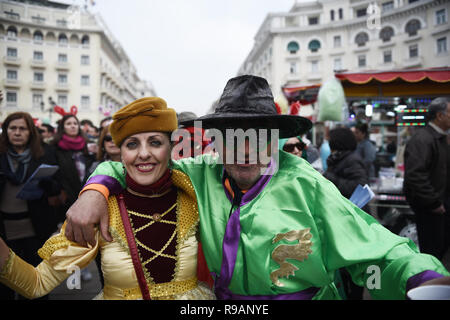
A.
x: 154, y: 220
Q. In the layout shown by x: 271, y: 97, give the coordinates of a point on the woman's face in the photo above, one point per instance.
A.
x: 110, y: 148
x: 71, y: 127
x: 146, y: 156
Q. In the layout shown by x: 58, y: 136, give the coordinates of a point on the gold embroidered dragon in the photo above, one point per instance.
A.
x: 283, y: 252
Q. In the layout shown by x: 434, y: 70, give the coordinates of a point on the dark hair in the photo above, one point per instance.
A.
x: 436, y: 106
x: 363, y: 127
x: 85, y: 121
x: 34, y: 140
x: 342, y: 139
x: 101, y: 150
x: 105, y: 119
x: 49, y: 127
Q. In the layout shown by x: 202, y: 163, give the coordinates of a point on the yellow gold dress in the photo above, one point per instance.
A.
x: 61, y: 255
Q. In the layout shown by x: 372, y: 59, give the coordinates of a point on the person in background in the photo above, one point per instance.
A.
x: 105, y: 122
x: 366, y: 148
x: 47, y: 132
x: 346, y: 170
x: 85, y: 124
x: 24, y: 224
x: 274, y: 229
x: 293, y: 145
x: 74, y: 160
x: 325, y: 148
x: 425, y: 187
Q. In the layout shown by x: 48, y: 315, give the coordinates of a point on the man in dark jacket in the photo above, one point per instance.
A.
x: 345, y: 168
x: 425, y: 183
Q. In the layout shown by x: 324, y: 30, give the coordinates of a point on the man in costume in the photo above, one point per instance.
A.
x: 276, y: 230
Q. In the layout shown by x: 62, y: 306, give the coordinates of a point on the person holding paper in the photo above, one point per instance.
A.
x: 24, y: 224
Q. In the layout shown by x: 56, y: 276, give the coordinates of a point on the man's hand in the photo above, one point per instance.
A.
x: 90, y: 209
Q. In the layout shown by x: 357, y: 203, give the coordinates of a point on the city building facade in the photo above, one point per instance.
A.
x: 56, y: 54
x: 315, y: 39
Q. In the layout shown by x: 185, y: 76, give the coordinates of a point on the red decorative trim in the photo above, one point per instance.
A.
x: 133, y: 249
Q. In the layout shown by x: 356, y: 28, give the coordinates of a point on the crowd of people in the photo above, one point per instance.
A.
x: 161, y: 226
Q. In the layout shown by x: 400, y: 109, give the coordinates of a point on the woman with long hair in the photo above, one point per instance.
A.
x: 24, y: 224
x: 73, y: 159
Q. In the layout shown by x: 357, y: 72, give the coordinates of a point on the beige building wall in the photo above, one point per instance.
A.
x: 66, y: 55
x: 270, y: 57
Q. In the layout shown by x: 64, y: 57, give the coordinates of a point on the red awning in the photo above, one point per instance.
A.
x: 304, y: 95
x: 437, y: 75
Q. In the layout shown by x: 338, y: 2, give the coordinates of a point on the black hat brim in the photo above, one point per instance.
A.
x: 288, y: 125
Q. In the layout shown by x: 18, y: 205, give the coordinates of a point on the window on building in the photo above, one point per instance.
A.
x: 337, y: 43
x: 411, y: 1
x: 38, y: 98
x: 62, y: 78
x: 11, y: 98
x: 11, y: 75
x: 413, y: 51
x: 315, y: 66
x: 38, y: 77
x: 361, y: 39
x: 61, y: 23
x: 85, y: 80
x: 62, y: 100
x: 387, y: 6
x: 62, y: 39
x: 85, y: 102
x: 313, y: 20
x: 412, y: 27
x: 441, y: 45
x: 341, y: 14
x: 314, y: 45
x: 11, y: 52
x: 62, y: 58
x: 387, y: 56
x: 38, y: 36
x: 85, y: 60
x: 332, y: 15
x: 38, y: 19
x: 386, y: 34
x: 85, y: 40
x: 11, y: 32
x: 362, y: 60
x: 337, y: 64
x: 361, y: 12
x: 12, y: 15
x: 293, y: 68
x: 293, y: 47
x: 38, y: 55
x: 441, y: 16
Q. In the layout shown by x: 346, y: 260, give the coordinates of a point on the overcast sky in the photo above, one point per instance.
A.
x: 187, y: 49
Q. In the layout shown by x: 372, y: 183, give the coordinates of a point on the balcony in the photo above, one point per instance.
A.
x: 39, y: 85
x: 314, y: 76
x: 62, y: 66
x: 62, y: 86
x: 13, y: 61
x: 38, y: 64
x: 413, y: 62
x: 11, y: 83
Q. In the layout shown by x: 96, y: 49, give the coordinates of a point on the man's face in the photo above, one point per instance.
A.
x: 444, y: 118
x: 18, y: 134
x: 45, y: 133
x: 242, y: 159
x: 359, y: 135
